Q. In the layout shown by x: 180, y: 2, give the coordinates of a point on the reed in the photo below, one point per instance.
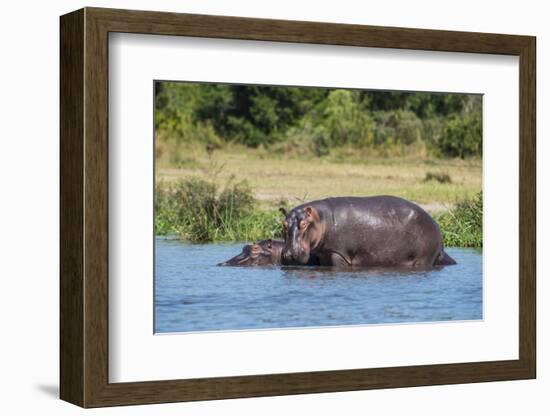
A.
x: 200, y: 211
x: 462, y: 226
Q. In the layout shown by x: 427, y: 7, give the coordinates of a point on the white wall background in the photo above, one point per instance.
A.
x: 29, y: 159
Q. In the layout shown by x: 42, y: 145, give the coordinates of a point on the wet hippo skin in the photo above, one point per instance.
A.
x: 377, y: 231
x: 263, y: 253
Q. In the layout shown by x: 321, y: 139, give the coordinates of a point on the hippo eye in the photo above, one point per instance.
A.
x: 303, y: 224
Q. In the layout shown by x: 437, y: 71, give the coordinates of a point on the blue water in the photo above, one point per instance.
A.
x: 193, y: 294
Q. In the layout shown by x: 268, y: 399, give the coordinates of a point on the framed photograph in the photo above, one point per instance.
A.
x: 254, y: 207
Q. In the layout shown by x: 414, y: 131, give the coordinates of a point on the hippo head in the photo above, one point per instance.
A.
x: 263, y: 253
x: 302, y: 230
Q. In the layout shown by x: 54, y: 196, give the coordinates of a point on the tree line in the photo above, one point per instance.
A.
x: 318, y: 119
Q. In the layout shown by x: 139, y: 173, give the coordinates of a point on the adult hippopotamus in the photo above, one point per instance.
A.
x: 262, y: 253
x: 376, y: 231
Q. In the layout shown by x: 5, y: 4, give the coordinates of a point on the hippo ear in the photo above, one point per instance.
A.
x: 269, y: 243
x: 283, y: 211
x: 311, y: 214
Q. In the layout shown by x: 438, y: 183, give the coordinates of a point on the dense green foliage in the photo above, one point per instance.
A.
x: 461, y: 135
x: 315, y: 120
x: 462, y: 226
x: 198, y: 210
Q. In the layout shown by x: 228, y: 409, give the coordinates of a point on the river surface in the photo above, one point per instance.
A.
x: 193, y: 294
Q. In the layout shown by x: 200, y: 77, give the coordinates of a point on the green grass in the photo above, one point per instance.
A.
x: 201, y: 211
x: 462, y: 226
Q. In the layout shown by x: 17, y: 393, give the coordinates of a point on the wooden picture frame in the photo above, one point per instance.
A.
x: 84, y: 207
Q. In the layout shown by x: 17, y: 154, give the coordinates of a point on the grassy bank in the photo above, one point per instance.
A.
x: 217, y: 207
x: 436, y: 184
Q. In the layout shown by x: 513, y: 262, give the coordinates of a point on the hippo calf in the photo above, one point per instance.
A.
x: 263, y: 253
x: 377, y: 231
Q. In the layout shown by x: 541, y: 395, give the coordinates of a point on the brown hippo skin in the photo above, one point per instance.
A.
x: 263, y: 253
x: 376, y: 231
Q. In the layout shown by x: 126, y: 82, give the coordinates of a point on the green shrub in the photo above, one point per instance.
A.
x: 397, y: 127
x: 462, y: 136
x: 463, y: 225
x: 196, y: 210
x: 339, y: 120
x: 305, y: 140
x: 345, y: 119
